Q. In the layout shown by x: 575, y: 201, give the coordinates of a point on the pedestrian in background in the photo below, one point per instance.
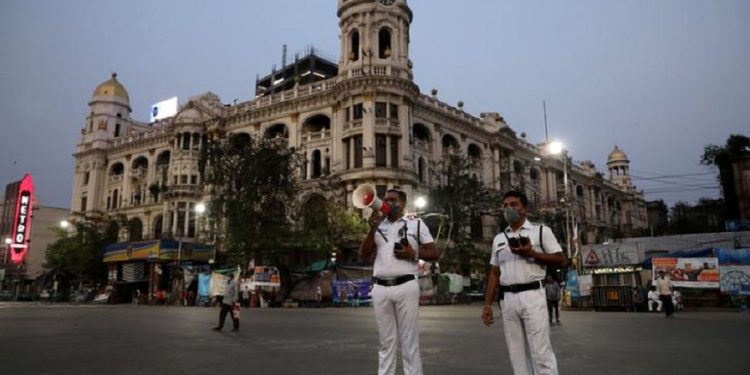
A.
x: 231, y: 294
x: 554, y: 292
x: 664, y: 288
x: 654, y: 303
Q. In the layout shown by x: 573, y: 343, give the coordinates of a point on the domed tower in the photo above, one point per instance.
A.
x: 375, y: 95
x: 374, y: 37
x: 109, y: 111
x: 619, y: 168
x: 108, y: 118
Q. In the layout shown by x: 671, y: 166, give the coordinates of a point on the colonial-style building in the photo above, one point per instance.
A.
x: 361, y: 120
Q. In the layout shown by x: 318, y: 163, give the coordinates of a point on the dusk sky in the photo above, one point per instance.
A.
x: 661, y: 79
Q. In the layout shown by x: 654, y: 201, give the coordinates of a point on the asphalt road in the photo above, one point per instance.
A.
x: 126, y: 339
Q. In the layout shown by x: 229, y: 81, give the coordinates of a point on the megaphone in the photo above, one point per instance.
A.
x: 365, y: 196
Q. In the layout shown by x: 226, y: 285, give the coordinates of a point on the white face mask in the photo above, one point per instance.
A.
x: 511, y: 215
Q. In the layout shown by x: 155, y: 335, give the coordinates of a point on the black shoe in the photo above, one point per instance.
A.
x: 558, y: 322
x: 235, y: 329
x: 217, y: 329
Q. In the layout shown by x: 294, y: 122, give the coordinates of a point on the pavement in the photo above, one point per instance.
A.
x: 39, y: 338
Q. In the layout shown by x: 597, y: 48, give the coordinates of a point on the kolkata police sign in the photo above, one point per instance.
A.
x: 619, y: 254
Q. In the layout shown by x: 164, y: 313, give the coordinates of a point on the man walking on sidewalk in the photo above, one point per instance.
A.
x: 231, y: 293
x: 554, y: 292
x: 664, y: 288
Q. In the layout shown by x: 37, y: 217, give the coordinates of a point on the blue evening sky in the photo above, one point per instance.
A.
x: 660, y: 79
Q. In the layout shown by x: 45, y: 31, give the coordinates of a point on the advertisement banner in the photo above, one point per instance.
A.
x: 204, y: 284
x: 348, y: 288
x: 688, y: 272
x: 571, y: 284
x: 218, y: 282
x: 584, y: 285
x: 266, y: 277
x: 735, y: 279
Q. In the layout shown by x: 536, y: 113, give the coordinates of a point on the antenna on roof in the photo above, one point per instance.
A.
x: 546, y: 133
x: 283, y: 56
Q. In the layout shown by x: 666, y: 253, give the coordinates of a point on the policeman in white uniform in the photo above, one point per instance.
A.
x: 519, y: 258
x: 397, y: 243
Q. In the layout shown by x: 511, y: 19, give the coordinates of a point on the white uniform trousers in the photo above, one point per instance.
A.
x: 526, y: 327
x: 397, y: 316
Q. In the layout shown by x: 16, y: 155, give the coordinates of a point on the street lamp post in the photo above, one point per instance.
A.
x: 557, y: 148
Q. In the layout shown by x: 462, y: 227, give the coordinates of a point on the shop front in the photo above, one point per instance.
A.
x: 152, y: 271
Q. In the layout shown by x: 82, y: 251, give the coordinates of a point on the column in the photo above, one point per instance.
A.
x: 351, y: 152
x: 368, y: 133
x: 388, y: 162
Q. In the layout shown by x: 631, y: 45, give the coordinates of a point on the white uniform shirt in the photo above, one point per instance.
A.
x: 386, y: 264
x: 515, y: 269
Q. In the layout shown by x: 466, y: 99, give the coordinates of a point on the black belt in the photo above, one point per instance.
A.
x: 517, y: 288
x: 393, y: 282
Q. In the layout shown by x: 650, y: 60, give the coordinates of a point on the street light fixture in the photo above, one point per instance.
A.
x: 420, y: 202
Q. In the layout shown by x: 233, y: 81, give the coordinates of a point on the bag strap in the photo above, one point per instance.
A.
x: 541, y: 242
x: 419, y: 241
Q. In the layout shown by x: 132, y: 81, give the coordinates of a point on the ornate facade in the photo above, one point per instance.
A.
x: 368, y: 122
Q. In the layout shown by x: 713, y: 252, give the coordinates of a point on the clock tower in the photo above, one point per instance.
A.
x: 375, y: 36
x: 375, y: 96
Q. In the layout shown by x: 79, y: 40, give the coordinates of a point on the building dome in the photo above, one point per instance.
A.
x: 112, y: 87
x: 617, y: 155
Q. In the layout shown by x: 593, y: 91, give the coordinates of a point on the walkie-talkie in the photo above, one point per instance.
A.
x: 399, y: 246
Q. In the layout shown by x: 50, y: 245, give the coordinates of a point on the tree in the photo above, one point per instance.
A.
x: 253, y: 190
x: 326, y: 225
x: 704, y: 217
x: 76, y: 257
x: 460, y: 195
x: 722, y: 157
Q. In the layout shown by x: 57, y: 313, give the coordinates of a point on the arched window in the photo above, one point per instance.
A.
x: 163, y: 159
x: 420, y: 132
x: 276, y: 131
x: 384, y: 43
x: 450, y: 143
x: 317, y: 167
x: 534, y: 174
x: 140, y: 163
x: 115, y: 199
x: 475, y: 153
x: 354, y: 46
x: 239, y: 140
x: 316, y: 124
x: 579, y: 191
x: 116, y: 169
x: 135, y: 229
x: 158, y: 223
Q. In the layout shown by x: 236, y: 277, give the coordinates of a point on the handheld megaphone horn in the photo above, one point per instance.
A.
x: 365, y: 196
